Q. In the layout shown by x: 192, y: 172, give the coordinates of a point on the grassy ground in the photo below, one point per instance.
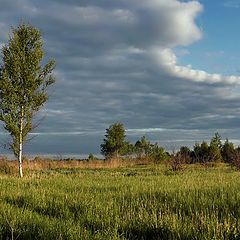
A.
x: 145, y: 202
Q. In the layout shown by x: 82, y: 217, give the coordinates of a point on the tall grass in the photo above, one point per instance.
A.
x: 42, y: 164
x: 144, y: 202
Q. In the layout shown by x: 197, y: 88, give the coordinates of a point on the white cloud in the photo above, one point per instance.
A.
x: 116, y: 61
x: 150, y: 28
x: 168, y: 61
x: 175, y: 21
x: 145, y: 130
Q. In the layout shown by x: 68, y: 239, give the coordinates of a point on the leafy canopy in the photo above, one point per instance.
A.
x: 23, y: 81
x: 114, y: 142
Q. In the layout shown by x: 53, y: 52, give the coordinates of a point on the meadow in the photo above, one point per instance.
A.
x: 134, y: 202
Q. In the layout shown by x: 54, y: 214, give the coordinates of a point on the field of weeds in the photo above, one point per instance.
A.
x: 143, y: 202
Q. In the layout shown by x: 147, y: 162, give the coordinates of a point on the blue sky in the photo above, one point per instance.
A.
x: 219, y: 49
x: 165, y: 69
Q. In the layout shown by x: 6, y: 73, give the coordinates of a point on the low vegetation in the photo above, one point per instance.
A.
x: 143, y: 202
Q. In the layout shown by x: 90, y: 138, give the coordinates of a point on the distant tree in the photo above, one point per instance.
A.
x: 228, y: 151
x: 215, y: 149
x: 128, y: 150
x: 158, y: 154
x: 114, y: 142
x: 91, y: 157
x: 185, y: 153
x: 201, y: 152
x: 217, y: 140
x: 23, y: 84
x: 143, y: 147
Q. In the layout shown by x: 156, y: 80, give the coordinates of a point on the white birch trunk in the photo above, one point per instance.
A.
x: 20, y: 145
x: 20, y: 160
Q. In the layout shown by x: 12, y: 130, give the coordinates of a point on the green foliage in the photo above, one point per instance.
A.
x: 204, y: 153
x: 185, y: 153
x: 115, y: 145
x: 128, y: 150
x: 216, y: 140
x: 215, y: 149
x: 158, y: 154
x: 114, y: 142
x: 23, y: 82
x: 228, y: 151
x: 143, y: 147
x: 201, y: 152
x: 136, y: 203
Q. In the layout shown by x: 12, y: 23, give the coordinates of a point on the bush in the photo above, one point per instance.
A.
x: 176, y: 162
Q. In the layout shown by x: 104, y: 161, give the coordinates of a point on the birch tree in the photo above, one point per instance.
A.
x: 23, y: 84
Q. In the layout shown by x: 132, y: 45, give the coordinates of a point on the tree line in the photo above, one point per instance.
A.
x: 115, y: 145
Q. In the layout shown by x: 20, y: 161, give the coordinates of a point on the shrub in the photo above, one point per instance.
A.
x: 176, y: 162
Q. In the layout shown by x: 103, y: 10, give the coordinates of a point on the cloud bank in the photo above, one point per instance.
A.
x: 116, y: 61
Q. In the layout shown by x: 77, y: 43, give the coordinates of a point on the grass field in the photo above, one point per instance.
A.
x: 144, y: 202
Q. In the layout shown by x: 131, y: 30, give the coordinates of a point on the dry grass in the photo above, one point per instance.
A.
x: 39, y: 164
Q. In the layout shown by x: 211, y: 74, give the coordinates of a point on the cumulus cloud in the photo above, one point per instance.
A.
x: 168, y: 60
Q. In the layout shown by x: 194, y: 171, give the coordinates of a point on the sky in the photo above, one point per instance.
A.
x: 166, y: 69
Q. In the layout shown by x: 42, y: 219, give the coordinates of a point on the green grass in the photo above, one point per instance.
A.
x: 135, y: 203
